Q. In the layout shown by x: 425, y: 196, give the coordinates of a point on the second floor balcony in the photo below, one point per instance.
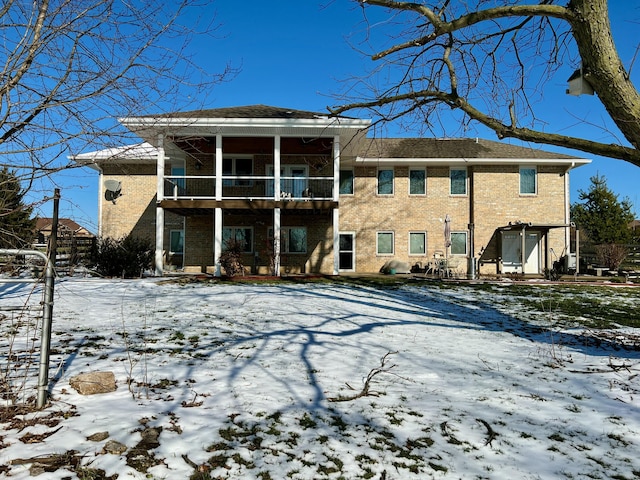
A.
x: 249, y: 187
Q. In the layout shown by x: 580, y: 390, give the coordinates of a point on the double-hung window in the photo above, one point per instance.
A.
x: 385, y: 181
x: 417, y: 181
x: 528, y: 181
x: 458, y: 181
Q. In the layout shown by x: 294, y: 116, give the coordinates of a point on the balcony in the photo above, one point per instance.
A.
x: 184, y: 193
x: 248, y: 188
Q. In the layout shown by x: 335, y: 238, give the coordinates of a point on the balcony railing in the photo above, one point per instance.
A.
x: 248, y: 187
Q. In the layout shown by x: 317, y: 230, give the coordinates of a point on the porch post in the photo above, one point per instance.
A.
x: 217, y: 240
x: 336, y: 198
x: 217, y: 213
x: 336, y: 168
x: 336, y: 241
x: 276, y: 242
x: 276, y: 168
x: 159, y: 257
x: 523, y: 248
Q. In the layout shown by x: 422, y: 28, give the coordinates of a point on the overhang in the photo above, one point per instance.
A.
x: 149, y: 128
x: 464, y: 162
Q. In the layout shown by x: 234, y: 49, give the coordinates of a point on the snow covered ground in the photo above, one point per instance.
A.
x: 255, y: 381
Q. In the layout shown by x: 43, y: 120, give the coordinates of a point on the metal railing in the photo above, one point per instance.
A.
x: 248, y: 187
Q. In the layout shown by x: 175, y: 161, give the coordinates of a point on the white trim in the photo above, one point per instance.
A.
x: 443, y: 162
x: 417, y: 169
x: 423, y: 232
x: 393, y: 182
x: 393, y: 243
x: 527, y: 167
x: 353, y: 251
x: 466, y: 182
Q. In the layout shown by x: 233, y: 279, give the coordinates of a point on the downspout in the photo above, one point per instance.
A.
x: 471, y: 261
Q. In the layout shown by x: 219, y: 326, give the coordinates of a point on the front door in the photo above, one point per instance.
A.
x: 347, y: 252
x: 512, y: 252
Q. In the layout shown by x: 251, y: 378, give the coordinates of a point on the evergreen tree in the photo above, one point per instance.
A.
x: 602, y: 216
x: 17, y: 228
x: 605, y: 221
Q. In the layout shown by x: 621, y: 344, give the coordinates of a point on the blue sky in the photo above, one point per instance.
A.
x: 297, y: 54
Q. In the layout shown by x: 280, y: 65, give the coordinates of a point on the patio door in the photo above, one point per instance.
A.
x: 347, y: 254
x: 512, y: 252
x: 294, y: 180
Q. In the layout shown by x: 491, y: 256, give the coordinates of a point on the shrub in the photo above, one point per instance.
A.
x: 231, y: 258
x: 126, y: 257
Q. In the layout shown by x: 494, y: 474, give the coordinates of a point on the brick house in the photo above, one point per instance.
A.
x: 333, y: 199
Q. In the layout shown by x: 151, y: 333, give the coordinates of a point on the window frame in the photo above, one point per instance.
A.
x: 424, y: 236
x: 352, y: 183
x: 534, y: 168
x: 285, y: 245
x: 466, y: 242
x: 424, y: 189
x: 234, y: 171
x: 233, y: 229
x: 385, y: 232
x: 392, y: 182
x: 451, y: 183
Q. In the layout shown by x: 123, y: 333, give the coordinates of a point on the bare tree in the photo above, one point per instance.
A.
x: 71, y: 67
x: 489, y: 59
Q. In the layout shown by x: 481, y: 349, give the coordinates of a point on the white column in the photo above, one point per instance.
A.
x: 336, y: 198
x: 276, y: 241
x: 217, y: 240
x: 159, y: 257
x: 276, y: 168
x: 336, y: 241
x: 217, y: 214
x: 218, y: 167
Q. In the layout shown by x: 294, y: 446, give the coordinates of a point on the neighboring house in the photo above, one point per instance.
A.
x: 334, y: 200
x: 67, y: 230
x: 73, y: 241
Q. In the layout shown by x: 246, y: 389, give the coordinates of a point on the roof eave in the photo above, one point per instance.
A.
x: 569, y: 162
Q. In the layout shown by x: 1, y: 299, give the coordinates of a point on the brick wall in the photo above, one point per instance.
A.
x: 497, y: 202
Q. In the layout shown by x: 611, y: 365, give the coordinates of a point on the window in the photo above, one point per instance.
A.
x: 458, y: 243
x: 528, y: 183
x: 417, y: 243
x: 458, y: 181
x: 178, y: 170
x: 176, y: 242
x: 417, y: 182
x: 292, y: 239
x: 346, y: 182
x: 293, y: 180
x: 385, y: 182
x: 237, y: 167
x: 240, y: 234
x: 385, y: 243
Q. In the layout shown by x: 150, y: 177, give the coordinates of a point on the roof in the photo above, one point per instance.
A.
x: 245, y: 121
x: 450, y: 148
x: 247, y: 111
x: 44, y: 223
